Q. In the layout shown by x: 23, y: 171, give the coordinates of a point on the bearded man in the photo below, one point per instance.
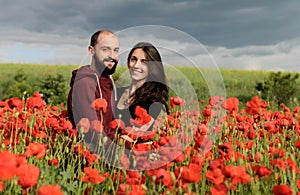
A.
x: 94, y: 81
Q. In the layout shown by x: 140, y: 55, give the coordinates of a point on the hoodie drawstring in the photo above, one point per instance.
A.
x: 97, y: 78
x: 114, y: 87
x: 113, y: 83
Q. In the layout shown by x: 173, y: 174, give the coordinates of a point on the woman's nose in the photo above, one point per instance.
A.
x: 138, y: 63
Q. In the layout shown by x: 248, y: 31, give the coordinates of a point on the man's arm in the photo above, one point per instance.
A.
x: 84, y: 93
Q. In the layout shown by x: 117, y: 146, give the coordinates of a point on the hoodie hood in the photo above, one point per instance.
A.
x: 86, y: 71
x: 83, y: 72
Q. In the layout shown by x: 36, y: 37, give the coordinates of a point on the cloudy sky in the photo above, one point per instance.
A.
x: 249, y: 34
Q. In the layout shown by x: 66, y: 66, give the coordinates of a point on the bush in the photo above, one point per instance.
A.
x: 54, y: 89
x: 18, y: 87
x: 278, y: 87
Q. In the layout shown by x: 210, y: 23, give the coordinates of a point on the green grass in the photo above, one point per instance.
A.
x: 238, y: 83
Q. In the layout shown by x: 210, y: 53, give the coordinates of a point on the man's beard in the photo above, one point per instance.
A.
x: 102, y: 69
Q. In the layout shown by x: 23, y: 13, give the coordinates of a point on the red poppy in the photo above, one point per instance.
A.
x: 21, y: 159
x: 54, y: 108
x: 93, y: 176
x: 8, y: 165
x: 127, y: 189
x: 203, y: 129
x: 65, y: 124
x: 176, y: 101
x: 124, y: 161
x: 215, y: 100
x: 28, y: 175
x: 215, y: 176
x: 277, y: 152
x: 117, y: 124
x: 39, y: 134
x: 50, y: 190
x: 35, y: 102
x: 134, y: 177
x: 52, y: 122
x: 97, y: 126
x: 256, y: 106
x: 252, y: 134
x: 261, y: 170
x: 141, y: 148
x: 15, y: 103
x: 142, y: 117
x: 80, y: 149
x: 219, y: 189
x: 148, y: 135
x: 225, y: 148
x: 139, y: 134
x: 297, y: 144
x: 36, y: 149
x: 282, y: 189
x: 258, y: 157
x: 2, y: 186
x: 3, y: 104
x: 188, y: 174
x: 84, y: 125
x: 162, y: 140
x: 192, y: 174
x: 237, y: 174
x: 207, y: 112
x: 231, y: 105
x: 91, y: 158
x: 53, y: 162
x: 158, y: 173
x: 292, y: 165
x: 99, y: 104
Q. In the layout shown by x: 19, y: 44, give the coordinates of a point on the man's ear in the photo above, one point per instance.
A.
x: 91, y: 50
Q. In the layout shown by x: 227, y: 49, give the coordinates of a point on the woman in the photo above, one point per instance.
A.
x: 148, y: 89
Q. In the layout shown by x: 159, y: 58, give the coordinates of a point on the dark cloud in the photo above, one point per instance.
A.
x: 234, y: 25
x: 226, y: 23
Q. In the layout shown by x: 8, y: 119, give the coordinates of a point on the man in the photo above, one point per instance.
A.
x: 94, y: 81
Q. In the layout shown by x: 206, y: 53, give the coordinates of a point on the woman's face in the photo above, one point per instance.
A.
x: 138, y: 68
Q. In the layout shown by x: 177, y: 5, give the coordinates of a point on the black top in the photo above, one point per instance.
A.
x: 152, y: 108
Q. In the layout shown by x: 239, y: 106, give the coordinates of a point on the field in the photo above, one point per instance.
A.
x: 236, y: 144
x: 238, y: 83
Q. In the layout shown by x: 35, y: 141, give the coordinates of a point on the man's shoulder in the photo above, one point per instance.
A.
x: 84, y: 75
x: 88, y: 79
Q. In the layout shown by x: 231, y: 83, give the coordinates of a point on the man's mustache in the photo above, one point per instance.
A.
x: 110, y: 59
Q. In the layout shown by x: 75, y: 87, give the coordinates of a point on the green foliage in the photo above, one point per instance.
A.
x: 278, y: 87
x: 18, y: 87
x: 238, y: 83
x: 54, y: 89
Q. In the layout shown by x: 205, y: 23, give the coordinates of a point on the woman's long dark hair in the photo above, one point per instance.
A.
x: 155, y: 88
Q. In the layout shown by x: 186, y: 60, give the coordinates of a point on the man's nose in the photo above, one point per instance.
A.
x: 113, y: 54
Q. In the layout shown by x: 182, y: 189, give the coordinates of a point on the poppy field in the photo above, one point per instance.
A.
x: 242, y: 151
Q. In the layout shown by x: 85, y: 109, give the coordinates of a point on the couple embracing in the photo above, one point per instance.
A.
x: 147, y: 94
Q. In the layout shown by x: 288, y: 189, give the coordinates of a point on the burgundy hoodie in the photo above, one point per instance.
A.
x: 84, y: 90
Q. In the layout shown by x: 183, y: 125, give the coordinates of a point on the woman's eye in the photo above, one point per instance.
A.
x: 144, y: 62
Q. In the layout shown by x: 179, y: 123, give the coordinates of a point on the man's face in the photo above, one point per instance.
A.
x: 106, y: 53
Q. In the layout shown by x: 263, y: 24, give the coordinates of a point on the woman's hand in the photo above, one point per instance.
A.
x: 127, y: 138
